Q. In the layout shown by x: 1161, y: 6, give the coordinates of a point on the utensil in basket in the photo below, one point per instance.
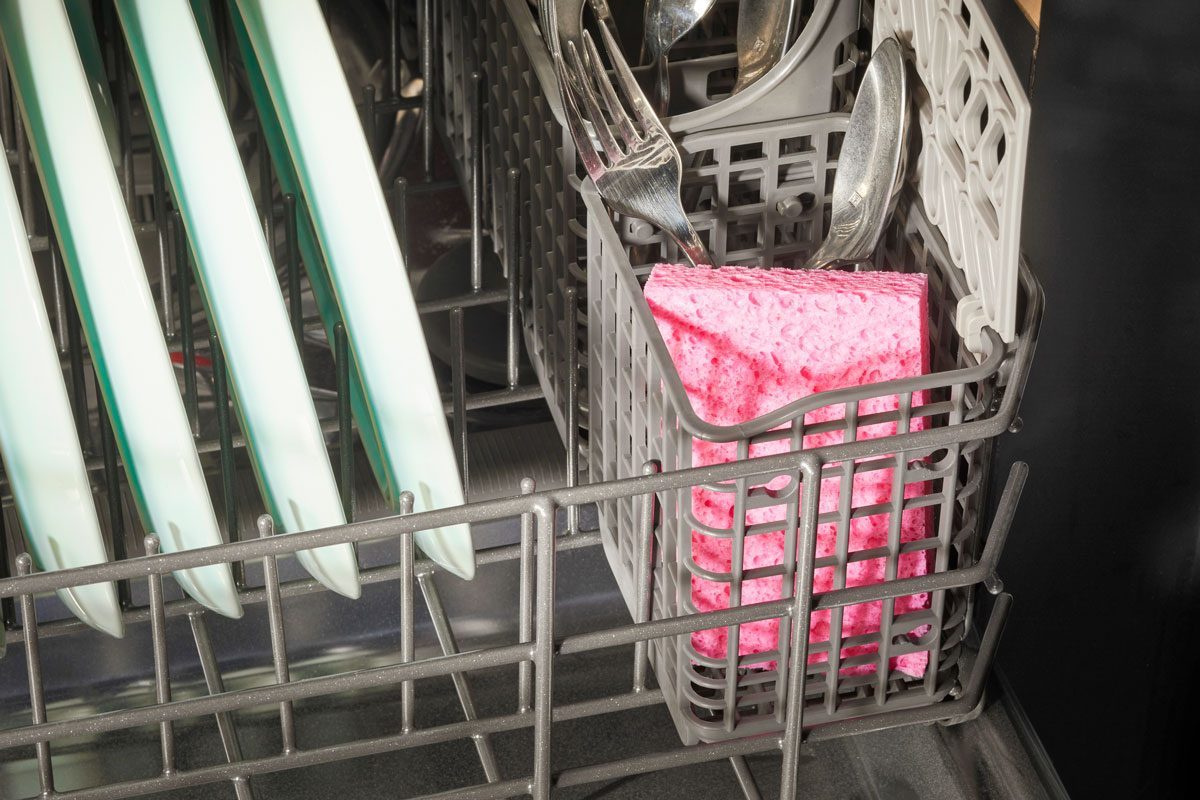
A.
x: 668, y: 21
x: 639, y: 173
x: 871, y: 163
x: 762, y: 34
x: 562, y: 21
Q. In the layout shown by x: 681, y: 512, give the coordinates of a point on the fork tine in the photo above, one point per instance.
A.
x: 583, y: 141
x: 588, y: 95
x: 615, y: 108
x: 629, y: 85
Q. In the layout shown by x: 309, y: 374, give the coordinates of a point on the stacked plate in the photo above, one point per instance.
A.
x: 354, y: 266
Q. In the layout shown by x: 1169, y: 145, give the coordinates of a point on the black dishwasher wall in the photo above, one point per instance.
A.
x: 1101, y: 647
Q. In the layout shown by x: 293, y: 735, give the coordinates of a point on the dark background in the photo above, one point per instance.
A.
x: 1101, y: 646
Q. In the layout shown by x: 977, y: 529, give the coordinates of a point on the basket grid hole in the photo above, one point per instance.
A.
x: 748, y: 151
x: 720, y: 83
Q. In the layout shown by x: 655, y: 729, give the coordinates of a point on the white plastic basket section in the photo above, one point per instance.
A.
x: 974, y: 118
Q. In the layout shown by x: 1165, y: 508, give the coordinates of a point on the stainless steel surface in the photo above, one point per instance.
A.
x: 639, y: 174
x: 763, y: 29
x: 870, y: 164
x: 666, y: 22
x: 561, y: 21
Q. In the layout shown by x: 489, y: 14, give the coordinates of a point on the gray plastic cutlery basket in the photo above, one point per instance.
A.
x: 761, y: 200
x: 522, y: 125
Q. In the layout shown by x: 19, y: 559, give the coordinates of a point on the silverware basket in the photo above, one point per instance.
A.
x: 938, y: 449
x: 758, y: 195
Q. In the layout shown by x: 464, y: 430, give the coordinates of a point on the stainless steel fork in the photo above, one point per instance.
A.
x: 638, y: 170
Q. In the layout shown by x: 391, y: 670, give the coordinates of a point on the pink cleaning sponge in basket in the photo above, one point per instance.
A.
x: 748, y: 341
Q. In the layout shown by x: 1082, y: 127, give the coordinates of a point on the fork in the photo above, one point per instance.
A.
x: 640, y: 174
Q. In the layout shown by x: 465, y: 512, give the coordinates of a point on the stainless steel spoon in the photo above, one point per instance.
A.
x: 871, y: 163
x: 667, y: 21
x: 762, y: 35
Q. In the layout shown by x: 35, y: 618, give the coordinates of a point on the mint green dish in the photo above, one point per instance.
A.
x: 310, y: 252
x: 38, y: 439
x: 238, y: 280
x: 109, y: 281
x: 293, y: 48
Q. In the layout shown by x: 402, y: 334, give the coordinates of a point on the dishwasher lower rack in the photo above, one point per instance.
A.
x: 535, y: 653
x: 923, y: 444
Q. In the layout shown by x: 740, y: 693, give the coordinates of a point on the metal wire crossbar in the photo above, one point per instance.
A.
x: 537, y: 646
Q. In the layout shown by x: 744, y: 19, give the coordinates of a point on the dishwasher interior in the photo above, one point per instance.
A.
x: 548, y: 673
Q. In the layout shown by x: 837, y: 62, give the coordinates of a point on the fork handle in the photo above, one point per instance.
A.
x: 662, y: 86
x: 689, y: 242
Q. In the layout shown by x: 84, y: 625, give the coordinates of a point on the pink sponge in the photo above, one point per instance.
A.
x: 748, y: 341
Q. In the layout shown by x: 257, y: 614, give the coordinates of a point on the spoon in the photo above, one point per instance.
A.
x: 762, y: 34
x: 667, y: 21
x: 871, y: 164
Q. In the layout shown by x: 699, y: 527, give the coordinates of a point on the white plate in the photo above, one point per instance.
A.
x: 308, y: 89
x: 38, y: 439
x: 109, y: 281
x: 238, y: 279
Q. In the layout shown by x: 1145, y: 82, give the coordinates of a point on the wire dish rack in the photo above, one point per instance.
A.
x: 193, y: 675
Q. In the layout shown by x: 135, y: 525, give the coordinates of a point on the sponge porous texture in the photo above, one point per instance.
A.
x: 747, y: 342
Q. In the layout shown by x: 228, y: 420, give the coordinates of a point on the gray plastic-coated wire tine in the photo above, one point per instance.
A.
x: 369, y: 122
x: 25, y: 180
x: 393, y: 50
x: 266, y: 192
x: 543, y: 651
x: 449, y: 645
x: 165, y: 300
x: 400, y: 215
x: 571, y: 324
x: 225, y: 435
x: 8, y: 610
x: 79, y: 398
x: 741, y: 771
x: 33, y: 667
x: 525, y: 609
x: 162, y: 667
x: 112, y: 491
x: 224, y: 39
x: 477, y: 198
x: 341, y: 357
x: 644, y: 582
x: 427, y: 90
x: 458, y: 390
x: 58, y: 284
x: 292, y: 256
x: 801, y: 613
x: 6, y: 116
x: 287, y: 723
x: 215, y: 684
x: 124, y: 115
x: 1006, y: 512
x: 187, y: 336
x: 511, y: 257
x: 407, y: 600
